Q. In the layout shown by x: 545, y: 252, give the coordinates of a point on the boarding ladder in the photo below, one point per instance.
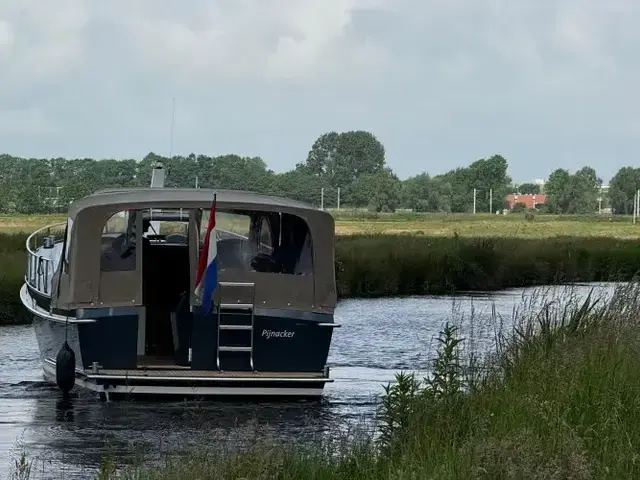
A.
x: 235, y: 326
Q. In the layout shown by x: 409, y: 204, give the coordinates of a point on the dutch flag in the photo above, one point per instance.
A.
x: 207, y: 276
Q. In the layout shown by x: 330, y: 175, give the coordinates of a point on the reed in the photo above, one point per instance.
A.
x: 12, y: 268
x: 383, y: 265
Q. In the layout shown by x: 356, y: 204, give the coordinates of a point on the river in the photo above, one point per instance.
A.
x: 378, y: 338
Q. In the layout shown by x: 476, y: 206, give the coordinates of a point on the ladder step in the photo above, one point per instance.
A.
x: 237, y: 284
x: 234, y: 349
x: 236, y: 327
x: 236, y: 306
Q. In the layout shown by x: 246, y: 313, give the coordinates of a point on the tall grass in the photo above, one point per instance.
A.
x: 559, y: 399
x: 381, y: 265
x: 13, y: 262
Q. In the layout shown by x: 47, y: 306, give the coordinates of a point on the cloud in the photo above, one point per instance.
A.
x: 271, y: 40
x: 40, y: 40
x: 6, y: 37
x: 247, y: 73
x: 24, y: 122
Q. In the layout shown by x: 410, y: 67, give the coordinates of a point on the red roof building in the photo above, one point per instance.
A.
x: 529, y: 200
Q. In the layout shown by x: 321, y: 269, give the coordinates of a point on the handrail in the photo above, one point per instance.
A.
x: 39, y: 267
x: 33, y: 234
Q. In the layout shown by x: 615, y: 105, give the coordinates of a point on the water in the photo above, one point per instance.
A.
x: 378, y: 338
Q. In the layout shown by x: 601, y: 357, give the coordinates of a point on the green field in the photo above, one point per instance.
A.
x: 486, y: 225
x: 27, y: 223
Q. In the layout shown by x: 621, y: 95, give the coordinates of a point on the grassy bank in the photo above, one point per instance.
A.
x: 382, y: 265
x: 12, y: 267
x: 387, y: 265
x: 559, y: 399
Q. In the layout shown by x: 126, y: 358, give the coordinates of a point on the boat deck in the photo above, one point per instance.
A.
x: 179, y: 372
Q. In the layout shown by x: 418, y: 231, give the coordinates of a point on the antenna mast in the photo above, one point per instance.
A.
x: 173, y: 117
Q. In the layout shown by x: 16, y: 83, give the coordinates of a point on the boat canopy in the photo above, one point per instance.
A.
x: 284, y: 247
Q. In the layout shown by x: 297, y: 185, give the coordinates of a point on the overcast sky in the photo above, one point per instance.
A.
x: 441, y: 83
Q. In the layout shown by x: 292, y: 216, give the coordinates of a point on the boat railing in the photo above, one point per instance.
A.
x: 40, y: 268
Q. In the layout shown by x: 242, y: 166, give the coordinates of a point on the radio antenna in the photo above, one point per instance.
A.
x: 173, y: 117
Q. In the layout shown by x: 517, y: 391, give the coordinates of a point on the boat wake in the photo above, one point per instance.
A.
x: 26, y: 389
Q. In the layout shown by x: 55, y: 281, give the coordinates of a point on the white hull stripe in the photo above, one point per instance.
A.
x: 30, y: 304
x: 173, y: 378
x: 49, y: 372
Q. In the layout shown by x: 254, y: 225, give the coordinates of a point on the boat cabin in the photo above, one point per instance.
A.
x: 126, y: 267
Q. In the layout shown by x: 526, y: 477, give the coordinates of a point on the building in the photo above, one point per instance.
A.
x: 529, y: 200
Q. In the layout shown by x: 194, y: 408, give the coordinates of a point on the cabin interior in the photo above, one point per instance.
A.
x: 261, y: 241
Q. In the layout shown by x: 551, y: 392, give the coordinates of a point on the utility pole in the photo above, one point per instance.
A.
x: 338, y: 198
x: 322, y: 198
x: 474, y: 201
x: 196, y: 181
x: 491, y: 200
x: 635, y: 206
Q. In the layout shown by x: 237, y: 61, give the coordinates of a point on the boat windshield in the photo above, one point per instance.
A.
x: 246, y: 240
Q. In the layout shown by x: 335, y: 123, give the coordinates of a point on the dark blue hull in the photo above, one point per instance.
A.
x: 284, y: 353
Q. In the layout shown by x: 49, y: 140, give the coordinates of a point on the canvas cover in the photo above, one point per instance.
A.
x: 81, y: 283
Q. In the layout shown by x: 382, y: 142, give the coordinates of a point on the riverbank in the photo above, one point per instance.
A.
x: 393, y: 265
x: 13, y: 261
x: 559, y: 399
x: 385, y: 265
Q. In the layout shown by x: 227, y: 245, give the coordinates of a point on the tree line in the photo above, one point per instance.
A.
x: 349, y: 167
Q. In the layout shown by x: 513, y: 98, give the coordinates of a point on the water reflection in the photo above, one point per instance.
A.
x: 64, y: 409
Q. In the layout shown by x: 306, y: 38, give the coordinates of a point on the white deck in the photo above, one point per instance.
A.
x: 226, y: 383
x: 186, y: 373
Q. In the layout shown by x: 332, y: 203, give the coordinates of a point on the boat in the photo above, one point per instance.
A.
x: 115, y: 308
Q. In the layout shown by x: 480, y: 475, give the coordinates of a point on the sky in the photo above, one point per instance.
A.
x: 441, y: 83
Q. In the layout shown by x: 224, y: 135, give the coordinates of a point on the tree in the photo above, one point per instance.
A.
x: 380, y: 191
x: 425, y: 194
x: 341, y: 158
x: 529, y: 189
x: 585, y: 188
x: 622, y: 189
x: 577, y: 193
x: 322, y: 158
x: 299, y: 185
x: 558, y: 191
x: 489, y: 178
x: 353, y: 161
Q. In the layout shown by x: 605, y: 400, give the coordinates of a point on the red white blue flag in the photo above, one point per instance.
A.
x: 207, y: 275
